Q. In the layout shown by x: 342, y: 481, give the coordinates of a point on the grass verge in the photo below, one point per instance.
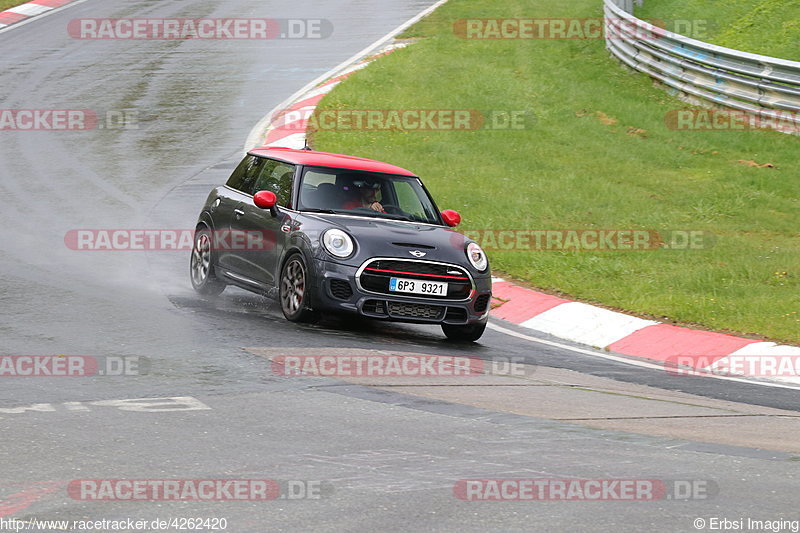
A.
x: 599, y: 155
x: 5, y: 4
x: 768, y: 27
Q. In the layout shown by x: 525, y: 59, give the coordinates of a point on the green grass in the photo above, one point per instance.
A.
x: 5, y: 4
x: 573, y: 170
x: 769, y: 27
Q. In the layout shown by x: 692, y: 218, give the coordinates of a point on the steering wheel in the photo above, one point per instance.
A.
x: 393, y: 210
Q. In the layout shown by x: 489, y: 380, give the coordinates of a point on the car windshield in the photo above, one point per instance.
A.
x: 352, y: 192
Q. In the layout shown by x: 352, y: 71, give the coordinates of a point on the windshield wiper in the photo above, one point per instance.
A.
x: 326, y: 211
x: 364, y: 213
x: 399, y: 217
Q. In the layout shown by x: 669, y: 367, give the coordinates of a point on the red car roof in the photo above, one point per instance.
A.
x: 325, y: 159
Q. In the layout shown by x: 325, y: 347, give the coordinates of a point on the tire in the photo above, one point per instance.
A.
x: 294, y: 290
x: 201, y: 266
x: 468, y: 333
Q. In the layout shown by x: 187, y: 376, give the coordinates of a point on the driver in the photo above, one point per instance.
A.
x: 367, y: 196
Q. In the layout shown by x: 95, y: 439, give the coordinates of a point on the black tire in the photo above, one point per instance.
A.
x: 468, y: 333
x: 201, y: 265
x: 294, y: 290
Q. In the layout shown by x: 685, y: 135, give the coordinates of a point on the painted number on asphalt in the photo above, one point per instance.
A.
x: 139, y: 405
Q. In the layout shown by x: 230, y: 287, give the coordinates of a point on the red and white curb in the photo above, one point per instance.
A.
x: 632, y: 336
x: 23, y: 12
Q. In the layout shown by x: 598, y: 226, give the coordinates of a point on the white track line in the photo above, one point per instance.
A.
x: 643, y: 364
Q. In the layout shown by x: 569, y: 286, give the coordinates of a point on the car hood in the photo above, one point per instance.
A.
x: 390, y: 238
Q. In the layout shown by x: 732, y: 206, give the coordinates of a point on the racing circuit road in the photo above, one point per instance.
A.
x: 389, y: 452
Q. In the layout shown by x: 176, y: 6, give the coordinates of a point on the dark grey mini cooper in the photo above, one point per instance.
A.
x: 333, y: 233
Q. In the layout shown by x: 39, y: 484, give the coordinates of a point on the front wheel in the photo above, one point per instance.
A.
x: 201, y: 268
x: 294, y: 291
x: 468, y: 333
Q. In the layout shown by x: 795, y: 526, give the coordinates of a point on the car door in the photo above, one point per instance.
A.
x: 260, y: 231
x: 226, y: 208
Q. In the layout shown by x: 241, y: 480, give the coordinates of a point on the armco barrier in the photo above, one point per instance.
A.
x: 760, y: 85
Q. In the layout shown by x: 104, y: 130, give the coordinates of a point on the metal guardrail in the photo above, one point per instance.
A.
x: 764, y: 86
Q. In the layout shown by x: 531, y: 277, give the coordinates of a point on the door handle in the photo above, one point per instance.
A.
x: 238, y: 212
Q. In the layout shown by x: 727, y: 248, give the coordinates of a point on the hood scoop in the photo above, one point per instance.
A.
x: 412, y: 245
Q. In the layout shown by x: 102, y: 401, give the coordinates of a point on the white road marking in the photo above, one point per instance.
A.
x: 325, y: 89
x: 295, y: 140
x: 642, y: 364
x: 156, y: 405
x: 37, y: 407
x: 139, y: 405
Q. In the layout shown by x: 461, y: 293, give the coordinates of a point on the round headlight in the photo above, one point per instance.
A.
x: 338, y: 243
x: 477, y: 257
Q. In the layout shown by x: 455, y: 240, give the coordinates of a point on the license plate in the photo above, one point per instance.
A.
x: 416, y: 286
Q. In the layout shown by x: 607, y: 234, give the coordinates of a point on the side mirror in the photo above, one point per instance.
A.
x: 266, y: 200
x: 451, y: 218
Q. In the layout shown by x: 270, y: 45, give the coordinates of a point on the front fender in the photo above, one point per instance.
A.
x: 297, y: 243
x: 205, y: 219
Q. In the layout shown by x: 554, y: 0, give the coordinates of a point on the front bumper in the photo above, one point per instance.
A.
x: 336, y: 290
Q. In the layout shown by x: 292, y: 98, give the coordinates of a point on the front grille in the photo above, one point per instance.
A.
x: 417, y: 267
x: 341, y: 289
x: 408, y: 310
x: 376, y: 275
x: 481, y: 302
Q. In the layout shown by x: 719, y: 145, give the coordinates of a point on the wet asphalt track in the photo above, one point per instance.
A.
x: 391, y: 459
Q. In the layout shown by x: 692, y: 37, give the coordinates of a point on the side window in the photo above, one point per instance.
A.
x: 276, y: 176
x: 244, y: 176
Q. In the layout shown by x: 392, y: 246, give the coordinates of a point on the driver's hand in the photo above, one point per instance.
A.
x: 377, y: 207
